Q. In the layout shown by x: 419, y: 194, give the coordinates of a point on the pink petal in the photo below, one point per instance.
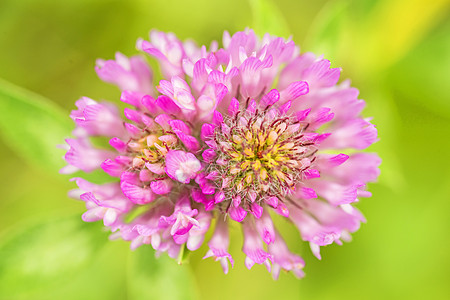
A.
x: 161, y: 187
x: 237, y: 213
x: 181, y: 166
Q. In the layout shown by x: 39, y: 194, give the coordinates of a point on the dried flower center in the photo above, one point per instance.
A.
x: 262, y: 155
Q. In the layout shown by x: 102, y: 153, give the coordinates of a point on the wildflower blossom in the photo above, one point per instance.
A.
x: 232, y: 134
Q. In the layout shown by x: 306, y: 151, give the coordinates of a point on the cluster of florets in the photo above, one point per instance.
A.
x: 260, y: 156
x: 214, y: 141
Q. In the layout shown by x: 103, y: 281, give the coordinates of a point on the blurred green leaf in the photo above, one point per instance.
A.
x: 394, y: 27
x: 104, y: 278
x: 43, y: 257
x: 158, y: 278
x: 33, y: 126
x: 326, y: 35
x: 267, y: 18
x: 430, y: 57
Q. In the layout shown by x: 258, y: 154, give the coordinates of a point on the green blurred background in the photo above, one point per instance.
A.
x: 397, y: 52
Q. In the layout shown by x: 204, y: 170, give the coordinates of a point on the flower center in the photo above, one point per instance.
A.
x: 152, y: 148
x: 262, y: 155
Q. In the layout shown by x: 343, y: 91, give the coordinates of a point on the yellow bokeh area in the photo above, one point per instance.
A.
x: 396, y: 52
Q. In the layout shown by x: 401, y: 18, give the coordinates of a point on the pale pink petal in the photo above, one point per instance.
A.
x: 182, y: 166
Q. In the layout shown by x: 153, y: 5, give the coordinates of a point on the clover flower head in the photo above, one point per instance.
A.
x: 235, y: 134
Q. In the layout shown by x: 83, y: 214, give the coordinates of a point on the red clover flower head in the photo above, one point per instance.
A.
x: 233, y: 134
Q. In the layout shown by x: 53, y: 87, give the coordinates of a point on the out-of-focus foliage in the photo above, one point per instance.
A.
x: 35, y: 141
x: 41, y: 257
x: 268, y: 18
x: 397, y: 52
x: 158, y: 278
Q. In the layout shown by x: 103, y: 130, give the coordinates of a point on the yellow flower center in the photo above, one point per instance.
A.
x: 263, y: 154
